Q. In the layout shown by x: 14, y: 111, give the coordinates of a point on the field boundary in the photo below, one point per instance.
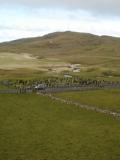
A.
x: 57, y: 89
x: 87, y: 107
x: 48, y: 92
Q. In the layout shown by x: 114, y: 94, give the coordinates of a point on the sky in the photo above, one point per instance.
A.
x: 31, y: 18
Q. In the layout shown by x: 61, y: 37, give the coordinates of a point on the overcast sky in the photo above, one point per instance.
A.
x: 26, y: 18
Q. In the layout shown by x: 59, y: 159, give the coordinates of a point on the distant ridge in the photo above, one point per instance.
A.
x: 65, y: 43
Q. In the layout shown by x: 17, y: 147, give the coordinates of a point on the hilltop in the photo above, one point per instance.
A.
x: 65, y: 43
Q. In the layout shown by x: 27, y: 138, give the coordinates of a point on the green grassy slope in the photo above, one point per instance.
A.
x: 36, y: 128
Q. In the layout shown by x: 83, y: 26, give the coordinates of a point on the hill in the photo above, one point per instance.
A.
x: 65, y: 43
x: 70, y: 47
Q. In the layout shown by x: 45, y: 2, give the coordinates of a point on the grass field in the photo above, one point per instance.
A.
x: 14, y: 65
x: 106, y: 99
x: 37, y: 128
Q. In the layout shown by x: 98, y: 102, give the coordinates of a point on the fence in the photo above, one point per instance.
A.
x: 58, y: 89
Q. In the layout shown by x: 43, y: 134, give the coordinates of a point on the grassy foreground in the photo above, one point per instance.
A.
x: 106, y: 99
x: 37, y: 128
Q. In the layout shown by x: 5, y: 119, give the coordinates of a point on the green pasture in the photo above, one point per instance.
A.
x: 106, y: 99
x: 33, y: 127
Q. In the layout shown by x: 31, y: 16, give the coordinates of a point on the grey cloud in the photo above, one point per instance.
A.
x: 95, y: 6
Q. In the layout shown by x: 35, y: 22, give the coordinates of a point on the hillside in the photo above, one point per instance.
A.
x: 65, y: 43
x: 86, y: 49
